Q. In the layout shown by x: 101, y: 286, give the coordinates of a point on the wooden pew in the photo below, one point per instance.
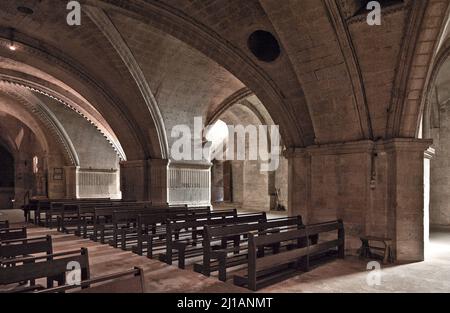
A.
x: 13, y: 233
x: 124, y: 222
x: 85, y: 216
x: 51, y: 267
x: 4, y: 224
x: 44, y: 207
x: 31, y: 206
x: 25, y: 247
x: 125, y: 282
x: 150, y: 233
x: 125, y: 219
x: 216, y: 257
x: 103, y: 219
x: 57, y: 209
x: 186, y: 246
x: 264, y: 269
x: 73, y: 214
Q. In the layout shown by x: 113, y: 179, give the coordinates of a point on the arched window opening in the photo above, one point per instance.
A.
x: 35, y: 165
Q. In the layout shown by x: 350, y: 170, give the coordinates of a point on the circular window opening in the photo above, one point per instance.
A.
x: 25, y: 10
x: 264, y: 46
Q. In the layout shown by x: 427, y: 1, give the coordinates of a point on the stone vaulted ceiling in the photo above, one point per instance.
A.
x: 140, y: 67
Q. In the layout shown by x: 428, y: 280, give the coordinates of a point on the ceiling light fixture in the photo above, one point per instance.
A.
x: 11, y: 45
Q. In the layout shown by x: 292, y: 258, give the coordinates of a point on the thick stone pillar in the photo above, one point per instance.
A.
x: 299, y: 194
x: 70, y: 178
x: 332, y: 182
x: 377, y: 188
x: 133, y: 180
x: 406, y: 201
x: 157, y: 171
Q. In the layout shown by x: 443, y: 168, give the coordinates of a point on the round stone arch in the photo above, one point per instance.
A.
x: 69, y: 83
x: 208, y: 42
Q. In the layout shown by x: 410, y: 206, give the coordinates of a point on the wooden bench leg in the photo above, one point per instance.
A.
x: 237, y: 244
x: 123, y: 240
x: 102, y: 236
x: 149, y: 248
x: 182, y: 257
x: 223, y: 268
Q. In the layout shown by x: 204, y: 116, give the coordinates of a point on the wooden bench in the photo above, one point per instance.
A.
x: 216, y: 253
x: 265, y: 269
x: 4, y: 224
x: 13, y: 233
x: 73, y: 215
x: 60, y: 212
x: 103, y: 220
x: 126, y: 220
x: 385, y: 247
x: 84, y: 220
x: 44, y: 207
x: 154, y: 224
x: 25, y: 247
x: 150, y: 233
x: 186, y: 246
x: 51, y: 267
x: 125, y: 282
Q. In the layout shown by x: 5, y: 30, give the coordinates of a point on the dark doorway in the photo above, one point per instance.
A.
x: 7, y: 178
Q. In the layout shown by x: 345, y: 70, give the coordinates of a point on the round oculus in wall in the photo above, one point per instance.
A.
x: 264, y: 46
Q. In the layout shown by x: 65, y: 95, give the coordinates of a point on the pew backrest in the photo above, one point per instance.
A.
x: 13, y: 233
x: 220, y: 219
x: 24, y: 247
x: 258, y: 263
x: 4, y: 224
x: 49, y: 266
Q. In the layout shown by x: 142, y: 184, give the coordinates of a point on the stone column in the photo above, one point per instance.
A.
x: 377, y: 188
x: 133, y: 180
x: 406, y: 197
x: 157, y: 187
x: 299, y: 184
x: 71, y: 182
x: 332, y: 182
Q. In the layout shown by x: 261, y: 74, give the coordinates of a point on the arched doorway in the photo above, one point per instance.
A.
x: 7, y: 178
x: 247, y: 181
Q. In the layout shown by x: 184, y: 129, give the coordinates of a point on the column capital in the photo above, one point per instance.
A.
x: 351, y: 147
x: 133, y: 163
x: 363, y: 146
x: 193, y: 165
x: 158, y: 162
x: 405, y: 145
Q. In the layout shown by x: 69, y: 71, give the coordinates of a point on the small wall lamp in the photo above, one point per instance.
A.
x: 11, y: 45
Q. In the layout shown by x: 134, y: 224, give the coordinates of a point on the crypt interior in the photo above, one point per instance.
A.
x: 95, y: 111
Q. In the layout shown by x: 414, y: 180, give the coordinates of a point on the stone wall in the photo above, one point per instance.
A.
x: 93, y: 150
x: 376, y: 188
x: 440, y: 171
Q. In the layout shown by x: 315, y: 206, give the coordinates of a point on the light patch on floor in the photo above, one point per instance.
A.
x: 350, y: 275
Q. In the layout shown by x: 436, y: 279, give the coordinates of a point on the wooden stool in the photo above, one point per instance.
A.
x: 366, y: 248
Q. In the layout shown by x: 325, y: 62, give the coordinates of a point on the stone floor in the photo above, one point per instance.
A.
x: 349, y: 275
